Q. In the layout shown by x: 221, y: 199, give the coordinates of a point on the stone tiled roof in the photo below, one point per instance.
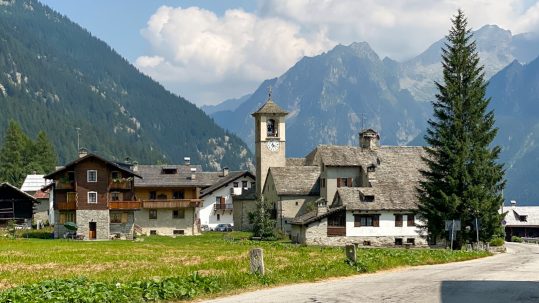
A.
x: 340, y: 155
x: 224, y: 180
x: 395, y: 181
x: 295, y: 161
x: 249, y: 195
x: 296, y: 180
x: 313, y: 216
x: 153, y: 176
x: 270, y: 107
x: 513, y: 216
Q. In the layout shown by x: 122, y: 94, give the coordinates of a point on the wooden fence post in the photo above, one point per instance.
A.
x: 257, y: 261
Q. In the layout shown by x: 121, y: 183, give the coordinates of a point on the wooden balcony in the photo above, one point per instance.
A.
x: 125, y: 205
x: 65, y: 184
x: 69, y: 205
x: 227, y: 206
x: 171, y: 203
x: 120, y: 184
x: 336, y: 231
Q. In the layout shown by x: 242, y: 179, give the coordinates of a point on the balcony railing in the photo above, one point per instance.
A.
x: 125, y: 205
x: 336, y: 231
x: 65, y: 184
x: 227, y: 206
x: 122, y: 184
x: 69, y: 205
x: 171, y: 203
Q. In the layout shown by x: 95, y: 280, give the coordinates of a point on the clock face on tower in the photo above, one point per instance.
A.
x: 273, y: 145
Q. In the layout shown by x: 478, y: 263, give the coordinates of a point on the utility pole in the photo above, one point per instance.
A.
x: 78, y: 139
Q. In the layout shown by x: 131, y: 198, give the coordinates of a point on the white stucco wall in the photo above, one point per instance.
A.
x: 165, y: 224
x: 332, y: 173
x: 386, y: 228
x: 208, y: 216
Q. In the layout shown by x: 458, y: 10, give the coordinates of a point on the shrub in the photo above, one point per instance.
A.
x: 516, y: 239
x: 497, y: 242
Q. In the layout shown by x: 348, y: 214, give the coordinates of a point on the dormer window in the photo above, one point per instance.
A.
x: 272, y: 128
x: 523, y: 218
x: 169, y: 171
x: 368, y: 198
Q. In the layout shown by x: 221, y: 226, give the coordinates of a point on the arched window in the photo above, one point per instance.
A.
x: 272, y: 128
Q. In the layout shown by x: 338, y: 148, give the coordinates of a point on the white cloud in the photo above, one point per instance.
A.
x: 209, y: 58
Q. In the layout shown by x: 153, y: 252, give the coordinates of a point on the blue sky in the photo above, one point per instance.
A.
x: 211, y: 50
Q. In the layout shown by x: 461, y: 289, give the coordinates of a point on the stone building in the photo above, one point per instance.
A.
x: 338, y: 194
x: 521, y: 221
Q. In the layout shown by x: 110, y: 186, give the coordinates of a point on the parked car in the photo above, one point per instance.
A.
x: 223, y: 227
x: 205, y: 227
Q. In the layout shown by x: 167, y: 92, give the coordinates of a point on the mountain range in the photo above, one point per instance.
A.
x: 330, y: 97
x: 55, y: 76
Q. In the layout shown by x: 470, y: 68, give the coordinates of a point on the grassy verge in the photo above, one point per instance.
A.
x: 222, y: 258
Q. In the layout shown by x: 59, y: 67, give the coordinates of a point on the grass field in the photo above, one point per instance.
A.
x: 224, y: 256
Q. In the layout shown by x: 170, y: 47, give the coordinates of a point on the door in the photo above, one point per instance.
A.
x: 93, y: 230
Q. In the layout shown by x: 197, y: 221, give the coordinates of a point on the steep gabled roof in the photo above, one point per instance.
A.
x: 153, y: 176
x: 296, y: 180
x: 270, y: 107
x: 34, y: 183
x: 8, y: 191
x: 225, y: 180
x: 67, y: 167
x: 513, y: 216
x: 341, y: 155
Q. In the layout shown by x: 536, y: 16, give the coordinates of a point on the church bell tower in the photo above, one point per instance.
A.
x: 270, y: 140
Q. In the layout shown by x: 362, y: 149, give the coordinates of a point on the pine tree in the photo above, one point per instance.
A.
x: 263, y: 224
x: 46, y: 156
x: 463, y: 179
x: 12, y: 155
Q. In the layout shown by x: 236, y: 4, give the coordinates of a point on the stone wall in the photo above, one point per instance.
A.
x: 102, y: 219
x: 59, y: 229
x: 241, y: 210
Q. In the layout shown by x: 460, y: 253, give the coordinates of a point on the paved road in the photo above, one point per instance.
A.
x: 509, y: 277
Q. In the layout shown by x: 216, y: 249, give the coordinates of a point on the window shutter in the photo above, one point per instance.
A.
x: 398, y: 220
x: 62, y: 218
x: 411, y: 220
x: 124, y: 217
x: 222, y: 200
x: 349, y: 182
x: 357, y: 221
x: 338, y: 182
x: 376, y: 220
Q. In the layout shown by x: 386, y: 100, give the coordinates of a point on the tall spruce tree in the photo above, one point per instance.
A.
x: 44, y: 154
x: 12, y: 155
x: 463, y: 179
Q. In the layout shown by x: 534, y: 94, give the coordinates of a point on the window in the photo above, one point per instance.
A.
x: 410, y: 241
x: 323, y: 182
x: 116, y: 217
x: 178, y: 195
x: 91, y: 175
x: 71, y: 176
x: 368, y: 198
x: 411, y: 220
x: 366, y: 243
x: 337, y: 219
x: 115, y: 175
x: 153, y: 232
x: 344, y: 182
x: 218, y: 217
x: 169, y: 171
x: 178, y: 214
x: 236, y: 184
x: 398, y: 222
x: 398, y: 241
x: 178, y: 232
x: 523, y: 218
x: 253, y: 184
x: 153, y: 195
x: 244, y: 184
x: 152, y: 214
x: 67, y: 217
x: 92, y: 197
x: 115, y: 196
x: 366, y: 220
x: 371, y: 168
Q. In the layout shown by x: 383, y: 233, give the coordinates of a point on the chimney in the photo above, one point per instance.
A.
x: 513, y: 203
x: 83, y: 152
x: 187, y: 160
x: 369, y: 139
x: 134, y: 167
x: 225, y: 171
x: 193, y: 173
x: 322, y: 207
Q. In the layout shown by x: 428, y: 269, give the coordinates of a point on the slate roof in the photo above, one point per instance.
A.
x: 34, y: 183
x: 341, y: 155
x: 396, y: 178
x: 248, y: 195
x: 119, y: 166
x: 296, y: 180
x: 270, y: 107
x: 152, y: 176
x: 512, y: 218
x: 295, y: 161
x: 225, y: 180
